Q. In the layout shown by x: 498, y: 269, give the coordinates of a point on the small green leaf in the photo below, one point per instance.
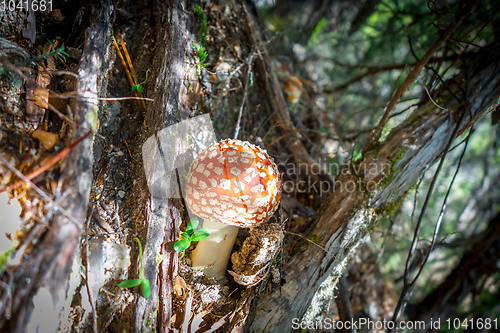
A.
x: 199, y: 12
x: 200, y: 52
x: 182, y: 245
x: 130, y: 283
x: 146, y: 289
x: 192, y: 225
x: 356, y: 155
x: 200, y: 234
x: 137, y: 87
x: 186, y: 235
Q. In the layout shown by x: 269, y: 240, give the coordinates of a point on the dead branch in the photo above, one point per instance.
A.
x: 407, y: 284
x: 65, y: 151
x: 467, y: 8
x: 372, y: 70
x: 45, y: 271
x: 340, y: 222
x: 269, y: 86
x: 479, y: 260
x: 343, y: 302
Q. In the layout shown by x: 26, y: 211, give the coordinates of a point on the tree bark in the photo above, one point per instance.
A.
x: 42, y: 276
x: 364, y: 190
x: 348, y: 210
x: 163, y: 215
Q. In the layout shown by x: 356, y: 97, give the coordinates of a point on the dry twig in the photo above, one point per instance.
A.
x: 38, y: 190
x: 466, y: 9
x: 47, y: 165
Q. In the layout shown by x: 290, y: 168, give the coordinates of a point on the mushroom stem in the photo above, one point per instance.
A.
x: 212, y: 253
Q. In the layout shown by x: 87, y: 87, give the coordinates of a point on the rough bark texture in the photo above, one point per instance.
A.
x: 342, y: 221
x: 41, y: 279
x: 163, y: 216
x: 17, y: 22
x: 365, y: 189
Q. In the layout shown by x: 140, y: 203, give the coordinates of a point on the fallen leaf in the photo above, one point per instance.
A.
x: 42, y: 97
x: 179, y: 287
x: 213, y: 78
x: 198, y: 320
x: 251, y: 280
x: 57, y: 16
x: 48, y: 140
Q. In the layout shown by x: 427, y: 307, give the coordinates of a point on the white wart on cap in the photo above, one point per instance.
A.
x: 234, y: 182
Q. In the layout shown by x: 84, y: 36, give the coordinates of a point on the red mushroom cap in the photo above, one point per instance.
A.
x: 234, y: 182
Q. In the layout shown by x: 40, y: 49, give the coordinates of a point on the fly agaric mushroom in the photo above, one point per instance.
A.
x: 230, y: 184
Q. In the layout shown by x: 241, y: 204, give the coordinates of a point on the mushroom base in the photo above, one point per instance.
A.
x: 212, y: 253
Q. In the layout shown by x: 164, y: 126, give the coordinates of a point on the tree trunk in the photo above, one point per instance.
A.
x: 365, y: 189
x: 42, y: 277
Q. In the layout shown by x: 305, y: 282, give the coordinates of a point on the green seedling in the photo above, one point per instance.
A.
x: 202, y: 33
x: 138, y: 86
x: 190, y: 235
x: 144, y: 283
x: 200, y: 55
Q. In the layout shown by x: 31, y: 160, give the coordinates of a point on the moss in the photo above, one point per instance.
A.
x: 151, y: 318
x: 398, y: 157
x: 92, y: 117
x: 414, y: 118
x: 376, y: 149
x: 431, y: 107
x: 202, y: 32
x: 390, y: 175
x: 4, y: 256
x: 390, y: 208
x: 386, y: 181
x: 314, y: 238
x: 370, y: 228
x: 413, y: 187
